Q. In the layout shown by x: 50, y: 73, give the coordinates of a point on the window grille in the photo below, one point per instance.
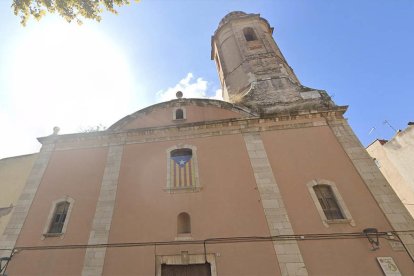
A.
x: 59, y: 217
x: 328, y: 202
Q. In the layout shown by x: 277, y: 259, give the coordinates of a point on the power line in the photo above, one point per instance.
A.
x: 228, y: 240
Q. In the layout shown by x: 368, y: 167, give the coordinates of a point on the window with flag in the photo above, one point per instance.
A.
x: 182, y: 169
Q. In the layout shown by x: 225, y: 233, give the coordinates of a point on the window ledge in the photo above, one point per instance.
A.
x: 52, y: 235
x: 184, y: 237
x: 183, y: 190
x: 340, y: 221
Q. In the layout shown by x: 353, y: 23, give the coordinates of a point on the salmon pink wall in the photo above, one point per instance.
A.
x: 298, y: 156
x: 74, y: 173
x: 227, y: 206
x: 164, y: 116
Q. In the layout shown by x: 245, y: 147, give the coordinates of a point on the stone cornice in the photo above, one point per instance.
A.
x: 194, y: 130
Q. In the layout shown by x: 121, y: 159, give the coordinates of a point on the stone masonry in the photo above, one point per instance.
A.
x: 101, y: 225
x: 287, y: 252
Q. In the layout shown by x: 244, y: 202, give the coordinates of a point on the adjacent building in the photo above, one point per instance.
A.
x: 271, y: 181
x: 13, y: 175
x: 395, y: 159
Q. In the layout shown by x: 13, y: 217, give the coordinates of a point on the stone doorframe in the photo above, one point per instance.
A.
x: 186, y: 259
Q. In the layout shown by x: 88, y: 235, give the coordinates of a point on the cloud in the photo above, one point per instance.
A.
x: 191, y: 88
x: 218, y: 95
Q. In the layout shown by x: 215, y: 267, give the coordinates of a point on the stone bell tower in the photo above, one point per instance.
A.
x: 254, y: 72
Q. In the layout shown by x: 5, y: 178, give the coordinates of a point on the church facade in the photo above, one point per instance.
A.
x: 271, y: 181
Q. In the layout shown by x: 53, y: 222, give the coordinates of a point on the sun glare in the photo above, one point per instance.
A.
x: 71, y: 76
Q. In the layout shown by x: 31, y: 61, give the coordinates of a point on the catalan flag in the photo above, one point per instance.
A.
x: 181, y: 168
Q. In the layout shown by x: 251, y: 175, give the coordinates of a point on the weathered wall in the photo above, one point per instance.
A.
x: 395, y: 159
x: 253, y: 175
x: 164, y: 116
x: 13, y: 175
x: 74, y: 173
x: 227, y: 206
x: 301, y: 155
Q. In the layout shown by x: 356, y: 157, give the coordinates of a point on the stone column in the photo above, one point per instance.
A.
x: 101, y: 225
x: 15, y: 225
x: 381, y: 190
x: 287, y: 252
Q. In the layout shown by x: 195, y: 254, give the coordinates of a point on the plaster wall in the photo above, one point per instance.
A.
x: 14, y: 172
x: 164, y: 116
x: 74, y: 173
x: 298, y: 156
x: 396, y: 159
x: 228, y: 205
x: 400, y: 151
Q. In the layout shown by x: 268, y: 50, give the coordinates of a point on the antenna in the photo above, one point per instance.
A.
x: 372, y: 129
x: 387, y: 123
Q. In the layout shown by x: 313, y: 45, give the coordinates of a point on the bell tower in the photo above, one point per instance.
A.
x: 254, y: 72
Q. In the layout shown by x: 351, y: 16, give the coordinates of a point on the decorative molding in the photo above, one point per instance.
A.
x: 185, y: 259
x: 194, y: 130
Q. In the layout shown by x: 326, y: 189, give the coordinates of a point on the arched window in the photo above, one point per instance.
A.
x: 328, y: 202
x: 59, y: 217
x: 183, y: 223
x: 249, y: 34
x: 179, y: 114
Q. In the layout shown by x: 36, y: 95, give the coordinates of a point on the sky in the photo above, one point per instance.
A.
x: 80, y: 77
